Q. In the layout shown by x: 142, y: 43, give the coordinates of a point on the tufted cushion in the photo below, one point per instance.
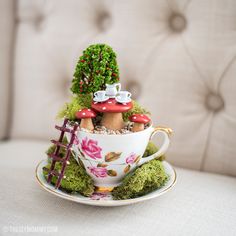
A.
x: 177, y: 57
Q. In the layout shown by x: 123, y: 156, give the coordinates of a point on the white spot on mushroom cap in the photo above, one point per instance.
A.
x: 104, y: 108
x: 109, y: 102
x: 83, y: 113
x: 135, y: 117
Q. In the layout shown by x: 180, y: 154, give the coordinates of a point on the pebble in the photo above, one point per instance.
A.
x: 98, y: 129
x: 86, y: 130
x: 103, y: 130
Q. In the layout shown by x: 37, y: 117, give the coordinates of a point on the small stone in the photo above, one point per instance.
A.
x: 103, y: 130
x: 86, y: 130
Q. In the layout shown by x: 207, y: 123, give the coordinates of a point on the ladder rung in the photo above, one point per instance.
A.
x: 56, y: 158
x: 64, y: 129
x: 55, y: 173
x: 58, y: 143
x: 52, y: 172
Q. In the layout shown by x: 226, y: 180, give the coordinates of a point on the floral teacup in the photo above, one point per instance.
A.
x: 108, y: 158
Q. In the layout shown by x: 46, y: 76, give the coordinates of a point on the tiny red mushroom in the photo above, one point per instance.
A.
x: 85, y: 115
x: 139, y: 121
x: 112, y: 113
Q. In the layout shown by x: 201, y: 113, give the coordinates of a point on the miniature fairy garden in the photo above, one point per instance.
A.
x: 76, y: 162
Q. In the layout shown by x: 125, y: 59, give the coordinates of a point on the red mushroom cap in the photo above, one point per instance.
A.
x: 111, y: 105
x: 139, y: 118
x: 85, y: 113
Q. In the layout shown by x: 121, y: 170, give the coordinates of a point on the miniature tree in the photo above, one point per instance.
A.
x: 95, y: 68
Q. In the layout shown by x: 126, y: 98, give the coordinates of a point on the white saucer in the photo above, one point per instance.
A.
x: 99, y: 100
x: 123, y: 101
x: 105, y: 199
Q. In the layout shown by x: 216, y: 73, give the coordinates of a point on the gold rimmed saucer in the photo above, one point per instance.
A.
x: 104, y: 198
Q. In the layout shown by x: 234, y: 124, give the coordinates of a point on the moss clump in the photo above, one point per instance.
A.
x: 95, y: 68
x: 150, y: 149
x: 78, y: 102
x: 77, y: 180
x: 143, y: 180
x: 137, y: 109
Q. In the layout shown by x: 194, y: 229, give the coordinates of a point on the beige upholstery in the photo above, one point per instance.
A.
x: 176, y: 57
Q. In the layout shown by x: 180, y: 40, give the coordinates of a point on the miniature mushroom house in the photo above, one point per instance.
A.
x: 86, y: 116
x: 112, y: 113
x: 139, y: 121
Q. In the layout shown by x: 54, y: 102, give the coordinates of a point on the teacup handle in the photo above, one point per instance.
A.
x: 166, y: 132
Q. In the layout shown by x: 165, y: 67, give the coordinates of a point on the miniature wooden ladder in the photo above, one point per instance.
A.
x: 55, y: 156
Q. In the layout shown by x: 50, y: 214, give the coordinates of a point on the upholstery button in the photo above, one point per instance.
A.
x: 214, y: 102
x: 134, y: 88
x: 38, y: 22
x: 177, y: 22
x: 104, y: 21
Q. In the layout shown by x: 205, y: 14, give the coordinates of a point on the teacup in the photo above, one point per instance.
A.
x: 123, y: 95
x: 100, y: 95
x: 108, y: 158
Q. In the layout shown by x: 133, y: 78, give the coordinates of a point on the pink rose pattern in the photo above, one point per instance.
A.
x: 99, y: 196
x: 91, y: 148
x: 99, y: 172
x: 131, y: 158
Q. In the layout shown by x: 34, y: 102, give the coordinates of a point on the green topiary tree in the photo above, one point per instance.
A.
x: 95, y: 68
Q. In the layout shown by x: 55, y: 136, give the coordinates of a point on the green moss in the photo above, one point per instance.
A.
x: 77, y: 180
x: 143, y: 180
x: 137, y: 109
x: 78, y: 102
x: 95, y: 68
x: 150, y: 149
